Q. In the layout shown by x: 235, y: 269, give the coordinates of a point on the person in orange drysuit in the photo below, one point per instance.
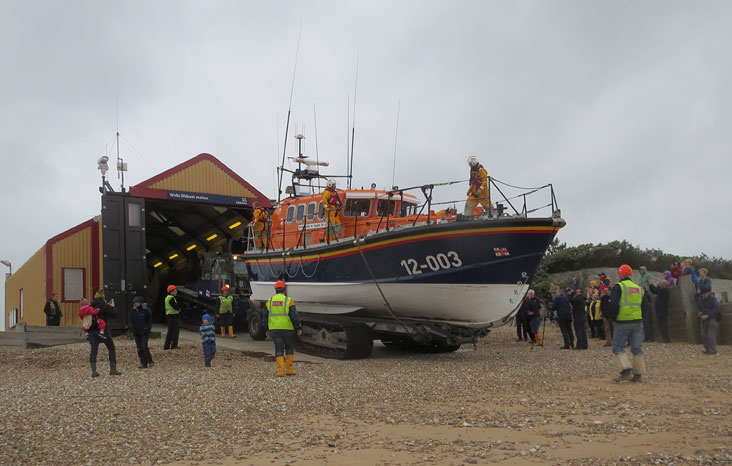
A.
x: 478, y: 189
x: 332, y: 210
x: 260, y: 226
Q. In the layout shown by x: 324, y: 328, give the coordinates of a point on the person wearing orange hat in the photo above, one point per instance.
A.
x: 172, y: 312
x: 282, y: 322
x: 225, y: 312
x: 626, y: 298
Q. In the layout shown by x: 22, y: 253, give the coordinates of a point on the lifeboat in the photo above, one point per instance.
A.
x: 398, y: 271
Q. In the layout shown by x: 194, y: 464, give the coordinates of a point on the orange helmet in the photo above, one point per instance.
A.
x: 171, y: 288
x: 225, y: 287
x: 625, y: 270
x: 280, y: 285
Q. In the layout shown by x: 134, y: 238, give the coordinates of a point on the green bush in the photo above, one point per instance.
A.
x: 561, y: 258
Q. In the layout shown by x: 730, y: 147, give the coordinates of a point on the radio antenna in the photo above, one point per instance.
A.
x: 289, y: 111
x: 396, y: 136
x: 315, y: 128
x: 353, y: 128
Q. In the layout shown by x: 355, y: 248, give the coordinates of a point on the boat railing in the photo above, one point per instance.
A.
x: 505, y: 198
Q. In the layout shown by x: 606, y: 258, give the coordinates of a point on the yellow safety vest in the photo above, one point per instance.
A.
x: 170, y: 310
x: 630, y: 301
x: 226, y: 304
x: 279, y: 313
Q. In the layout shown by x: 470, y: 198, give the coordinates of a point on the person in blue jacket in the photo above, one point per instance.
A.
x: 140, y: 324
x: 561, y: 305
x: 709, y: 314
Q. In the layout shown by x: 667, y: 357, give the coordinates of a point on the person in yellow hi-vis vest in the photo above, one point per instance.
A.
x: 478, y: 189
x: 282, y: 322
x: 625, y: 309
x: 332, y: 210
x: 225, y: 312
x: 259, y: 226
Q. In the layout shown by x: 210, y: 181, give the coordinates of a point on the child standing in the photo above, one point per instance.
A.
x: 208, y: 339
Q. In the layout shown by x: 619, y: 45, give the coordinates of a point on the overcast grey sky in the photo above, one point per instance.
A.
x: 624, y: 106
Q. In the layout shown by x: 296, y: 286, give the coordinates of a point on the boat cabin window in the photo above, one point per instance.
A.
x: 321, y: 211
x: 383, y: 206
x: 357, y: 208
x: 290, y: 214
x: 311, y: 212
x: 408, y: 209
x: 300, y: 213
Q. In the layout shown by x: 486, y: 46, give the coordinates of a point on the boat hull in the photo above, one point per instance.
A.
x: 472, y: 272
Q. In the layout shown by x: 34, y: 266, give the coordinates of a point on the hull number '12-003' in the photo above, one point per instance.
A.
x: 434, y: 263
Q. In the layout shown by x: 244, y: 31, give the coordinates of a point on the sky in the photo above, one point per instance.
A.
x: 624, y: 106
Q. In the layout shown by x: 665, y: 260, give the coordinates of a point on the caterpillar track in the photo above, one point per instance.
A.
x: 336, y: 340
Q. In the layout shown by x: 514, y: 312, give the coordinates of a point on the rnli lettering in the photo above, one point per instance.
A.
x: 633, y: 290
x: 278, y: 303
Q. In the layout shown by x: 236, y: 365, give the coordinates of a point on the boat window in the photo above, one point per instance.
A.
x: 383, y: 205
x: 311, y: 211
x: 408, y: 209
x: 290, y: 213
x: 321, y: 211
x: 300, y: 213
x: 357, y: 208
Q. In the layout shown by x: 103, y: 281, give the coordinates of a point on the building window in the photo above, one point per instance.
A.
x: 73, y: 284
x: 134, y: 217
x: 20, y: 301
x: 12, y: 318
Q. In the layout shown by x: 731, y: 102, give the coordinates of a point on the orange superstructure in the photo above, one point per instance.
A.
x: 299, y: 220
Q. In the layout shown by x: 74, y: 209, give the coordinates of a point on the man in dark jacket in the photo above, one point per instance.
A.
x: 106, y: 312
x: 53, y: 311
x: 709, y: 313
x: 522, y: 322
x: 533, y: 311
x: 140, y: 324
x: 560, y: 303
x: 579, y: 316
x: 609, y: 323
x: 662, y: 297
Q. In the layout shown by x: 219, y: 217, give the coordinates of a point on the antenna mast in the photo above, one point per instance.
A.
x: 353, y: 129
x: 396, y: 135
x: 287, y: 125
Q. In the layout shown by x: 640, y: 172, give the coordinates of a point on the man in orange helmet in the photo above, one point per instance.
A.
x: 478, y: 190
x: 225, y: 312
x: 260, y: 226
x: 172, y: 311
x: 626, y: 298
x: 332, y: 210
x: 281, y: 322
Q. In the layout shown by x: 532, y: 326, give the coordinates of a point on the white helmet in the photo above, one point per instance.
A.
x: 330, y: 183
x: 473, y: 161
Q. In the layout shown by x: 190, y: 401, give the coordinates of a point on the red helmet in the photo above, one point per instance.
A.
x: 225, y: 287
x: 625, y: 270
x: 280, y: 285
x: 171, y: 288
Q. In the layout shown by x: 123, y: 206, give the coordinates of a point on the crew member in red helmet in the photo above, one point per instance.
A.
x: 172, y: 311
x: 282, y: 322
x: 625, y: 309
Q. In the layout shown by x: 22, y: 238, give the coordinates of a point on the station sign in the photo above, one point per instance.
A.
x: 207, y: 198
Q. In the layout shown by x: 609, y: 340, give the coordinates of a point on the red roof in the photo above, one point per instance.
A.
x: 144, y: 188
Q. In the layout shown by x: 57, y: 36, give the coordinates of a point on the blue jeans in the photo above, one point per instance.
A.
x: 284, y: 341
x: 624, y: 332
x: 209, y: 351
